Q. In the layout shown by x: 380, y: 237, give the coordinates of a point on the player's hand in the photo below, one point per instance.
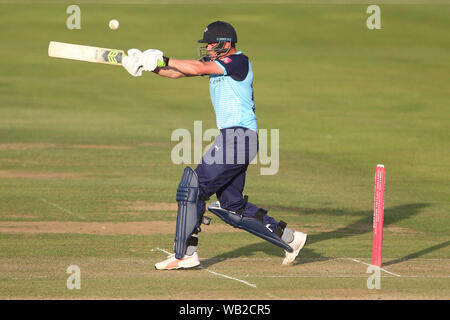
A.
x: 151, y: 59
x: 132, y: 62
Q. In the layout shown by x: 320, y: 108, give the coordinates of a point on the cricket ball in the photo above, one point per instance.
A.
x: 113, y: 24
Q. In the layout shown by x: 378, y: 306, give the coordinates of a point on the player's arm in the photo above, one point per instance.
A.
x: 169, y: 72
x: 187, y: 68
x: 153, y: 60
x: 194, y: 67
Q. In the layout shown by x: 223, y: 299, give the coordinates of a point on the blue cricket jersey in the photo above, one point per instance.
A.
x: 232, y: 93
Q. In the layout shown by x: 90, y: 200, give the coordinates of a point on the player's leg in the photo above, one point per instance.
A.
x: 205, y: 181
x: 194, y: 189
x: 185, y: 243
x: 230, y: 198
x: 228, y: 179
x: 192, y: 241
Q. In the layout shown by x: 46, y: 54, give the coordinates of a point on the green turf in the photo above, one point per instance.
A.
x: 343, y: 97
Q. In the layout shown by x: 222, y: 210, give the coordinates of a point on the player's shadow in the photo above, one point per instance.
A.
x: 392, y: 215
x: 418, y: 253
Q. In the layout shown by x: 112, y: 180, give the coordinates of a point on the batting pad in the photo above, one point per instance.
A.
x: 187, y: 217
x: 251, y: 225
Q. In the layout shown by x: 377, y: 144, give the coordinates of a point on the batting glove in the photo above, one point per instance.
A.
x: 153, y: 58
x: 132, y: 62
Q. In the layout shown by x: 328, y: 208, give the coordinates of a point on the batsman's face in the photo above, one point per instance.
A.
x: 210, y: 50
x: 213, y: 52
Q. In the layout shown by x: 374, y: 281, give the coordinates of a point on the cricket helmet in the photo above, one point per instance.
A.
x: 219, y: 32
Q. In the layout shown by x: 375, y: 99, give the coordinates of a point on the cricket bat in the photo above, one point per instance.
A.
x: 85, y: 53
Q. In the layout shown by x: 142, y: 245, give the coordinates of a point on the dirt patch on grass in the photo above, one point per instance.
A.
x: 37, y: 146
x: 22, y: 163
x: 18, y: 215
x: 96, y: 146
x: 26, y: 146
x: 401, y: 230
x: 130, y: 277
x: 141, y: 228
x: 148, y: 206
x: 6, y: 174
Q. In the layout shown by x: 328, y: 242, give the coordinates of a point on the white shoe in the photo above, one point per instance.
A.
x: 172, y: 263
x: 296, y: 244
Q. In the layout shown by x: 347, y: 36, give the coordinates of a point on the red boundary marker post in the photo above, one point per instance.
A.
x: 378, y: 216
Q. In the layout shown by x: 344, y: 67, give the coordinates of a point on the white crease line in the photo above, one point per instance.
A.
x: 216, y: 273
x: 272, y: 296
x: 165, y: 251
x: 367, y: 264
x: 228, y: 277
x: 61, y: 208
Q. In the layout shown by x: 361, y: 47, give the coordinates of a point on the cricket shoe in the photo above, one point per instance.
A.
x: 297, y: 245
x: 172, y: 263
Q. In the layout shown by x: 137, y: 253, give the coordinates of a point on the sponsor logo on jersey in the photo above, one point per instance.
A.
x: 226, y: 60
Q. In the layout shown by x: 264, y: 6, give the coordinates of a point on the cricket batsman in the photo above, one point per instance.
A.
x: 223, y: 168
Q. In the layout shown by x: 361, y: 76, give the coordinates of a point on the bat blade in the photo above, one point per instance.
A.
x: 85, y: 53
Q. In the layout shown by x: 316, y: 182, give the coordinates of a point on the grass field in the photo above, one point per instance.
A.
x: 86, y: 176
